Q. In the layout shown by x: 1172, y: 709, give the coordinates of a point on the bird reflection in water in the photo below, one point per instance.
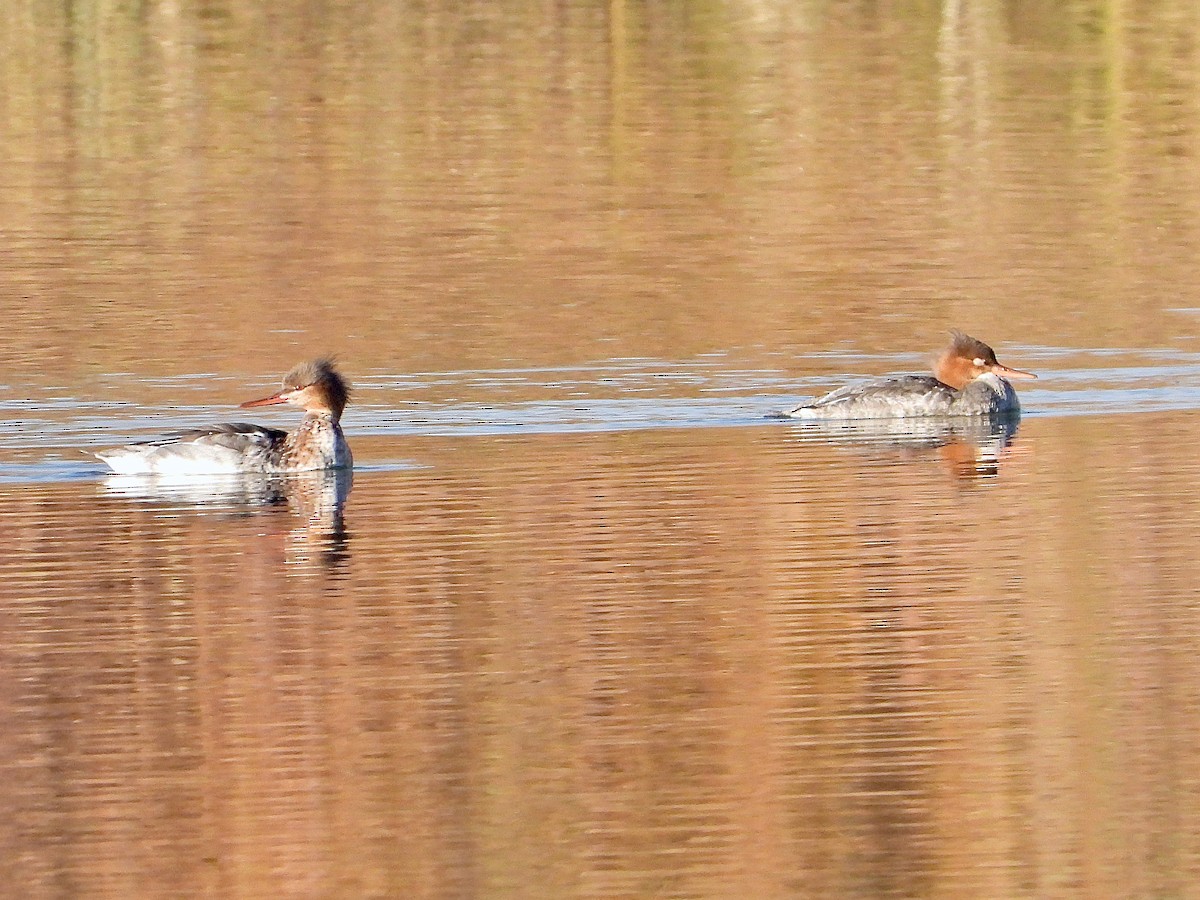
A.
x: 971, y: 447
x: 314, y: 502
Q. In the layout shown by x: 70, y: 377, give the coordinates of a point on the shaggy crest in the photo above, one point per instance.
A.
x: 320, y: 372
x: 971, y: 348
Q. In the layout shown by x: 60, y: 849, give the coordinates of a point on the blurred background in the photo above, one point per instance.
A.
x: 420, y: 187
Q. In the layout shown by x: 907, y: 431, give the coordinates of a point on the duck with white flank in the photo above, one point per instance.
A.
x: 317, y: 445
x: 967, y: 381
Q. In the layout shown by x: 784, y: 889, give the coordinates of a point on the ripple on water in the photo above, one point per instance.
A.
x: 619, y: 395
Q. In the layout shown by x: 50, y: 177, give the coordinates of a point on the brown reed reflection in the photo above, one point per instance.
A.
x: 813, y: 186
x: 692, y: 662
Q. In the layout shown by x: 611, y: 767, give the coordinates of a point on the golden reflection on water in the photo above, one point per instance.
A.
x: 717, y: 662
x: 223, y: 188
x: 743, y: 662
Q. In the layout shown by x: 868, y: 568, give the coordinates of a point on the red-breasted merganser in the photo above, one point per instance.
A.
x: 237, y: 447
x: 969, y: 382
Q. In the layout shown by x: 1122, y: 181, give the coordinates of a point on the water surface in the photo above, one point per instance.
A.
x: 586, y: 622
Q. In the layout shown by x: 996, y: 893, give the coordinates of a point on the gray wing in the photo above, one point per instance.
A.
x: 884, y: 389
x: 884, y: 398
x: 238, y: 436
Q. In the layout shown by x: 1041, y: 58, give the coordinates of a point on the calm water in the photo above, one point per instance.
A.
x: 587, y: 623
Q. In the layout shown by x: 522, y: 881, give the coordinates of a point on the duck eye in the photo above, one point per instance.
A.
x: 979, y: 361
